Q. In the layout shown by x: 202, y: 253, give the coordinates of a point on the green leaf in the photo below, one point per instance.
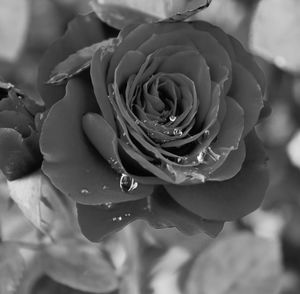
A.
x: 46, y: 285
x: 78, y: 61
x: 80, y: 265
x: 11, y: 268
x: 275, y: 33
x: 14, y: 19
x: 46, y: 208
x: 120, y: 13
x: 240, y: 263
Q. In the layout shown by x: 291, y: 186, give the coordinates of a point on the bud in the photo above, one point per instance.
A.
x: 19, y: 133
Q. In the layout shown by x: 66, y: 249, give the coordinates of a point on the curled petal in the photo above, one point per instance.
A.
x: 70, y: 162
x: 231, y: 199
x: 91, y: 30
x: 247, y: 92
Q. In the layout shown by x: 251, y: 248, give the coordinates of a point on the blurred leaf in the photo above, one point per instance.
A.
x: 241, y: 263
x: 275, y: 33
x: 44, y: 205
x: 11, y: 268
x: 77, y: 62
x: 14, y: 19
x: 80, y: 265
x: 120, y: 13
x: 46, y: 285
x: 293, y: 149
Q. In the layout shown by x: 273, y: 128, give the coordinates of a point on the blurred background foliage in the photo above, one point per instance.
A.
x: 165, y: 261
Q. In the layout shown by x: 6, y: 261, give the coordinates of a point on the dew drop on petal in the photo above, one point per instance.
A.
x: 201, y: 156
x: 108, y: 205
x: 212, y: 154
x: 127, y: 184
x: 172, y: 118
x: 84, y: 191
x: 177, y: 132
x: 206, y: 134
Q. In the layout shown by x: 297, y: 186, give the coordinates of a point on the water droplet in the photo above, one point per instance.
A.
x: 179, y: 159
x: 212, y: 154
x: 84, y: 191
x: 127, y: 184
x: 205, y: 134
x: 177, y: 132
x: 108, y: 205
x: 172, y: 118
x: 201, y: 156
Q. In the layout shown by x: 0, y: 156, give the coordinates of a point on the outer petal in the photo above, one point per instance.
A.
x: 72, y: 165
x: 231, y: 199
x: 18, y: 156
x: 235, y: 49
x: 159, y: 209
x: 246, y: 91
x: 91, y: 30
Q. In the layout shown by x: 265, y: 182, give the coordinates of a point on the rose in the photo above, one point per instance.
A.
x: 164, y: 131
x: 19, y: 138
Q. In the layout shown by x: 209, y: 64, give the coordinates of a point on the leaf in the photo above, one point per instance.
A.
x: 80, y: 265
x: 11, y: 268
x: 241, y: 263
x: 46, y: 285
x: 120, y: 13
x: 78, y: 61
x: 44, y: 205
x: 14, y: 19
x: 275, y: 33
x: 181, y: 16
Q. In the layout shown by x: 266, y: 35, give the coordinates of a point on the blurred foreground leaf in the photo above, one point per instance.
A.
x: 80, y: 265
x: 11, y: 268
x: 241, y: 263
x: 46, y: 285
x: 275, y: 33
x: 14, y: 19
x: 44, y: 205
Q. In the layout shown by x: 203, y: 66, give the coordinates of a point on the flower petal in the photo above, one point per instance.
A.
x: 98, y: 70
x: 104, y: 139
x: 231, y: 166
x: 72, y: 165
x: 159, y: 209
x: 91, y: 30
x: 246, y: 91
x: 18, y: 156
x: 193, y: 65
x: 231, y: 199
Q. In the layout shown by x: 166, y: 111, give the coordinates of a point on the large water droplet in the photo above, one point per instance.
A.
x: 127, y: 184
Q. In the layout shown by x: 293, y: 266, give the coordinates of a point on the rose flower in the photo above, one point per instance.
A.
x: 162, y: 127
x: 19, y: 135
